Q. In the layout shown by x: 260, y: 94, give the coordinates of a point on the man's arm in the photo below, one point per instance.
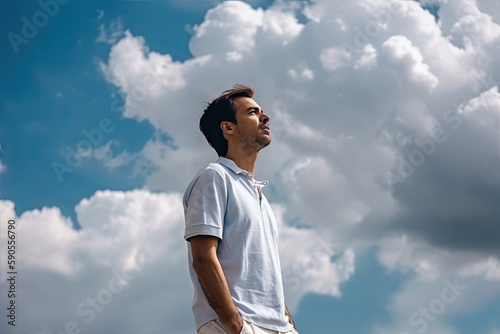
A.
x: 289, y: 317
x: 213, y: 281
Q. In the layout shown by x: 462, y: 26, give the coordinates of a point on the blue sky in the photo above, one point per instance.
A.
x: 385, y: 145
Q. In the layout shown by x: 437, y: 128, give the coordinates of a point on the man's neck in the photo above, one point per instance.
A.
x: 245, y: 162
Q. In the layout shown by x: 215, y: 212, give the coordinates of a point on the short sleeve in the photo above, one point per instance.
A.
x: 205, y: 205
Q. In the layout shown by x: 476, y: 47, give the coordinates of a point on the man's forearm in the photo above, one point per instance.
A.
x: 214, y: 285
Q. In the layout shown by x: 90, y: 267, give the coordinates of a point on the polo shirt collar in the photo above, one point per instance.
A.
x: 232, y: 166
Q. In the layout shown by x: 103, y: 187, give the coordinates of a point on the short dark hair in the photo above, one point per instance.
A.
x: 219, y: 110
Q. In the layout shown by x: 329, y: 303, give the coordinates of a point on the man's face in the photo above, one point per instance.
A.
x: 251, y: 130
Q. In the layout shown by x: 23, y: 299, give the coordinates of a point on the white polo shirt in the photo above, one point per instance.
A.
x: 225, y: 201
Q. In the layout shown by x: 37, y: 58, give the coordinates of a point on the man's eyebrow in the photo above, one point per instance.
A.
x: 255, y: 108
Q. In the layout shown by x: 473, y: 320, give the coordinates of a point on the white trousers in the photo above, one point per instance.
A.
x: 216, y: 327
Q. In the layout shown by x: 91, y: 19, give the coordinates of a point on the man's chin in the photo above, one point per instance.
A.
x: 265, y: 141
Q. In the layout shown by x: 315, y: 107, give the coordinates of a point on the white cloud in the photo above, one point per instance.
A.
x: 351, y: 125
x: 104, y: 154
x: 400, y: 51
x: 486, y: 108
x: 334, y: 58
x: 308, y: 268
x: 137, y: 238
x: 471, y: 25
x: 232, y: 25
x: 368, y: 58
x: 125, y: 234
x: 111, y: 34
x: 100, y: 13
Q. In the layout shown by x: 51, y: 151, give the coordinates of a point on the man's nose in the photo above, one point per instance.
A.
x: 265, y: 118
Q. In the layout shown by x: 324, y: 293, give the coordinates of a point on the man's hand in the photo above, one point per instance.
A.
x: 235, y: 325
x: 213, y: 281
x: 290, y: 317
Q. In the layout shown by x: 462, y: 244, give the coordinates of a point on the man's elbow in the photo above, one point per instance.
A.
x: 204, y: 252
x: 201, y: 263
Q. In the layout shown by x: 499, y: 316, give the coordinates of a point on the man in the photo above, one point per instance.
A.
x: 230, y: 228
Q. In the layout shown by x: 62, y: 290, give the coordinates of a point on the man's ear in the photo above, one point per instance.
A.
x: 227, y: 127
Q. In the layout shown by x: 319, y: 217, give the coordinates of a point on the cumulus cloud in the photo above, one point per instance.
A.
x: 400, y: 51
x: 126, y: 268
x: 125, y: 253
x: 334, y: 57
x: 308, y: 268
x: 368, y: 139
